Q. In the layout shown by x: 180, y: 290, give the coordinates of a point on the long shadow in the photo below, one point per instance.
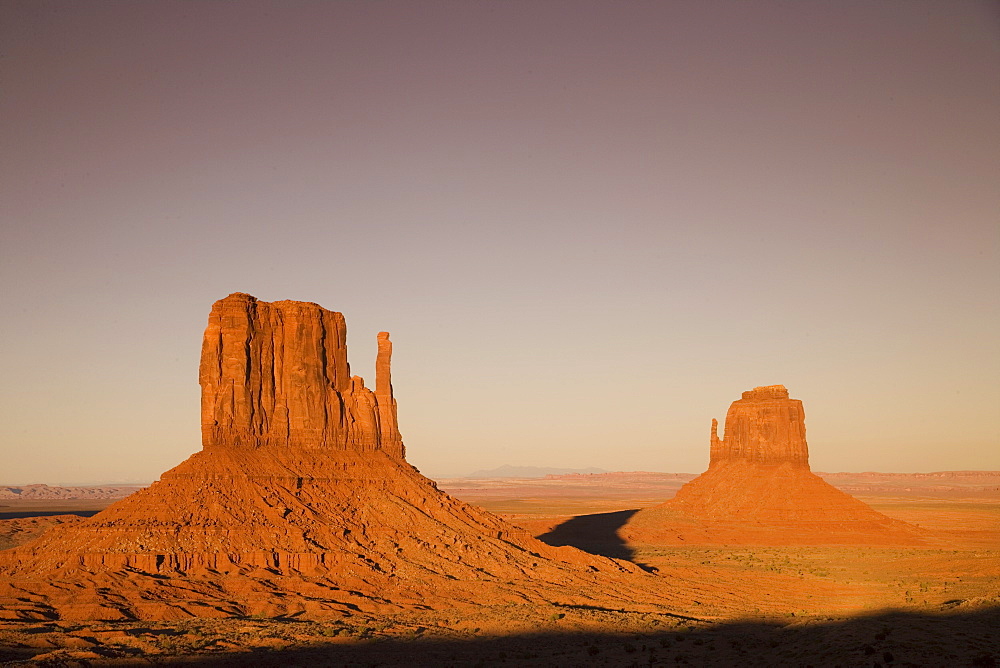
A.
x: 597, y: 534
x: 887, y: 640
x: 19, y: 514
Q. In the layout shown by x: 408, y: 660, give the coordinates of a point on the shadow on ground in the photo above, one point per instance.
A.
x: 597, y: 534
x: 892, y: 639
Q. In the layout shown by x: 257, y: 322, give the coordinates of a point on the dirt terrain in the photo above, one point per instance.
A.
x: 822, y: 606
x: 521, y: 636
x: 961, y: 559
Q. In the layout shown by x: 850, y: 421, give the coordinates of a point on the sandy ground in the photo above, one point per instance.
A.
x: 821, y: 606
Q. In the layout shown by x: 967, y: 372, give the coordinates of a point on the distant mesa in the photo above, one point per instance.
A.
x: 300, y: 503
x: 758, y: 489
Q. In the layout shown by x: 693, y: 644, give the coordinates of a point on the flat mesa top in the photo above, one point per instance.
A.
x: 244, y: 297
x: 766, y: 392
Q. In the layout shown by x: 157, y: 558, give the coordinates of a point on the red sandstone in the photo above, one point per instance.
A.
x: 758, y: 489
x: 299, y: 503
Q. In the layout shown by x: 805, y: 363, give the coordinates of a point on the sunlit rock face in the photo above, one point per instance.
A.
x: 758, y: 489
x: 276, y: 374
x: 763, y: 427
x: 300, y: 502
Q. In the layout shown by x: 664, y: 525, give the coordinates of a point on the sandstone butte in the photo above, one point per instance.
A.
x: 300, y: 503
x: 759, y: 490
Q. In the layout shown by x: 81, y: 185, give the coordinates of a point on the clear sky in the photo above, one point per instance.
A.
x: 588, y: 225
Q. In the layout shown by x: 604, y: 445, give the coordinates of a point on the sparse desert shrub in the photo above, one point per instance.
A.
x: 170, y: 645
x: 201, y: 643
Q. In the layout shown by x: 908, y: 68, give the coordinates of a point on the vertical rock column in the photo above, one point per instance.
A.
x: 391, y: 442
x: 714, y: 444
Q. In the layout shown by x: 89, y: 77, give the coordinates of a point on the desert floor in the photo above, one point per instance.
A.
x: 800, y: 606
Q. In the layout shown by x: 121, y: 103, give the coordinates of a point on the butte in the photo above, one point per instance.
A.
x: 299, y: 504
x: 759, y: 490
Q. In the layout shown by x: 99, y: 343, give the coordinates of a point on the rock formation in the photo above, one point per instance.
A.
x: 758, y: 489
x: 276, y: 375
x: 299, y: 503
x: 763, y: 427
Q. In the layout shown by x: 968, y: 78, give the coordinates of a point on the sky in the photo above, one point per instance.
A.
x: 589, y: 226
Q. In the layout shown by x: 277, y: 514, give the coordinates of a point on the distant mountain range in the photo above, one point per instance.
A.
x: 508, y: 471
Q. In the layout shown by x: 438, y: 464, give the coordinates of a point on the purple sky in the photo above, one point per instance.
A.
x: 588, y: 225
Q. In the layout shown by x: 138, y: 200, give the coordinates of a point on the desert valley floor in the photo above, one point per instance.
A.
x: 929, y: 605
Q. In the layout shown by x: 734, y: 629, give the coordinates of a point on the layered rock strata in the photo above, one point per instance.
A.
x: 299, y: 503
x: 758, y: 489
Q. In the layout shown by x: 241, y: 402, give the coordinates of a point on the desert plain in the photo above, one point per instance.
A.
x: 300, y: 535
x: 931, y: 605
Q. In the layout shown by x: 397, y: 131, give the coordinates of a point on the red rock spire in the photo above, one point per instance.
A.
x: 391, y: 441
x: 714, y: 444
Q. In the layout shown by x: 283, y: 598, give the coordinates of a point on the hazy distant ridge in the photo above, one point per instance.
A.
x: 507, y: 471
x: 971, y: 482
x: 39, y: 491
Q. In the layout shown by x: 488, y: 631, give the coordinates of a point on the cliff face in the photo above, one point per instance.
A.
x: 763, y: 427
x: 276, y: 374
x: 299, y: 503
